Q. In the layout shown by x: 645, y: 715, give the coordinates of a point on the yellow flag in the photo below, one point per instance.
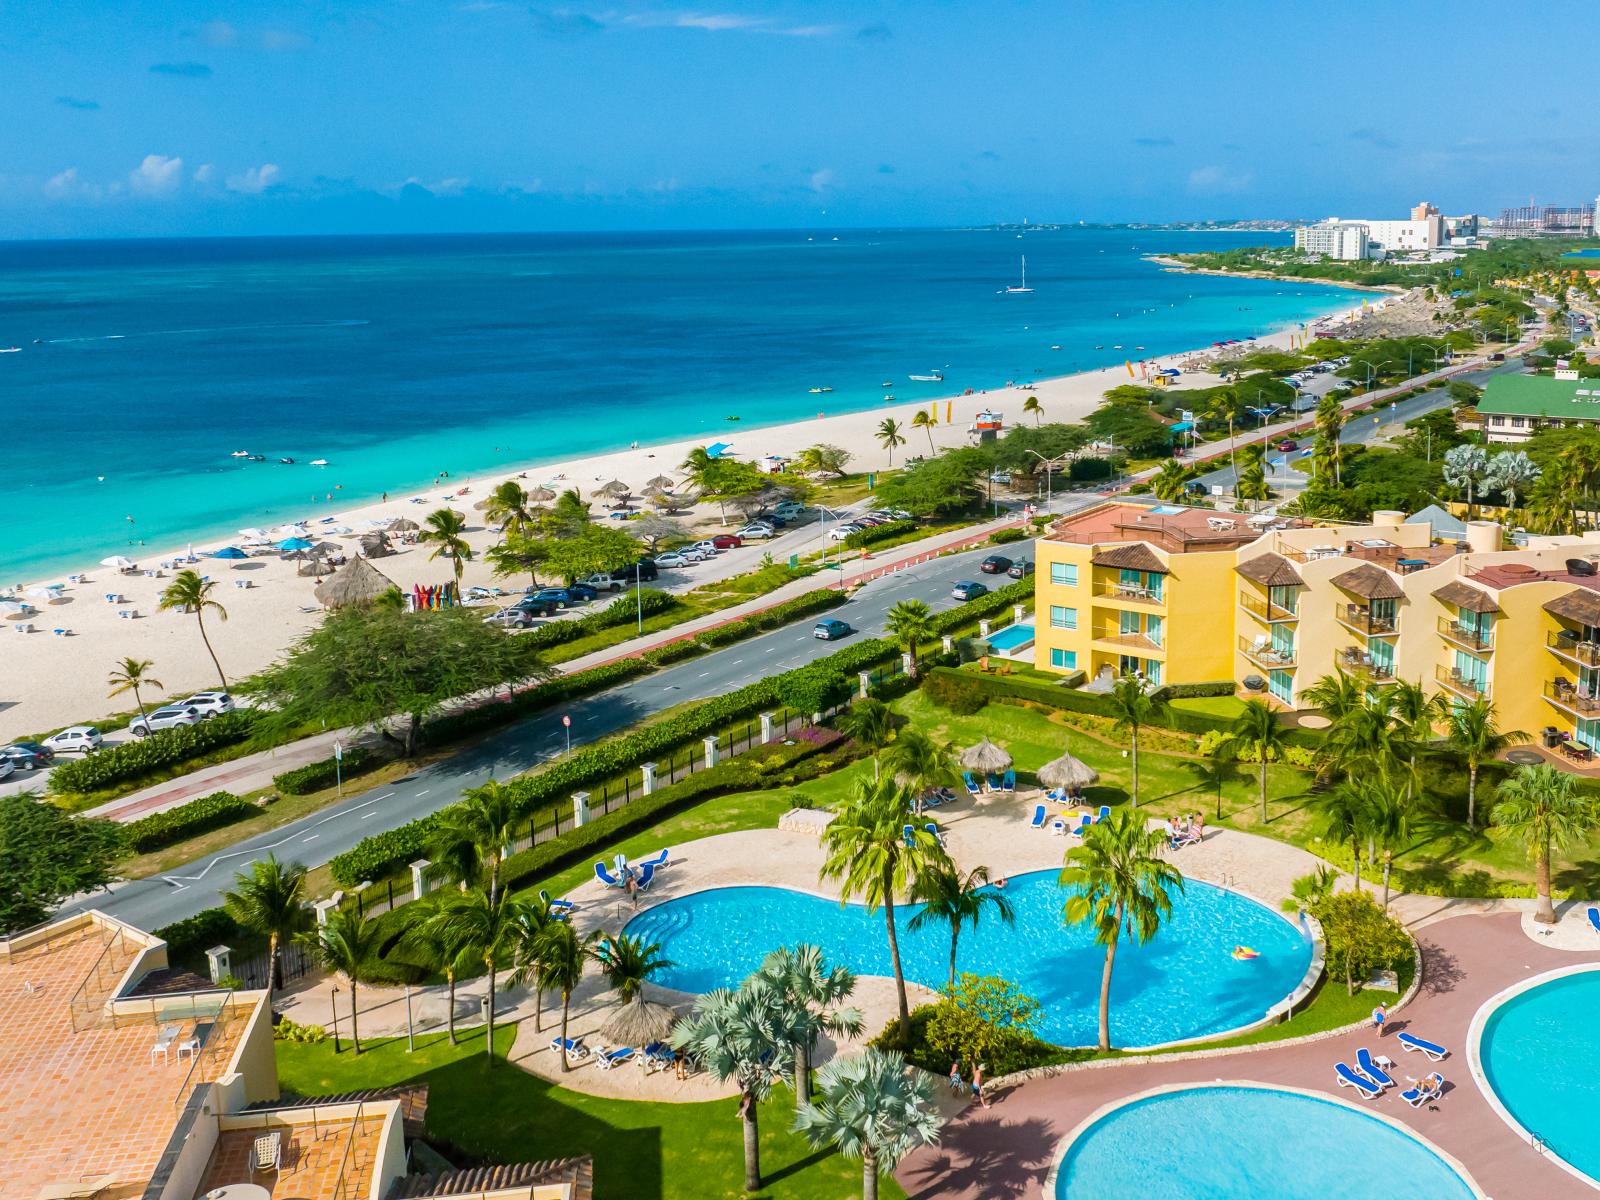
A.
x: 1129, y: 365
x: 949, y: 410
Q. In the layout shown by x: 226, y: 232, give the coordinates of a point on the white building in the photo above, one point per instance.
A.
x: 1405, y: 237
x: 1333, y: 239
x: 1424, y: 231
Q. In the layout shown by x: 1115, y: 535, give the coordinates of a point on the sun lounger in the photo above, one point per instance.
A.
x: 934, y: 829
x: 1594, y: 918
x: 1082, y: 827
x: 266, y: 1153
x: 606, y: 877
x: 1349, y: 1078
x: 610, y: 1058
x: 87, y: 1188
x: 1057, y: 795
x: 1372, y: 1070
x: 657, y: 1056
x: 993, y: 781
x: 657, y: 861
x: 1433, y: 1050
x: 576, y: 1050
x: 1421, y: 1094
x: 1105, y: 813
x: 647, y: 875
x: 1038, y: 818
x: 1008, y: 781
x: 966, y: 778
x: 910, y: 835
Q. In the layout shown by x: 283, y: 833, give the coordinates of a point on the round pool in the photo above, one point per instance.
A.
x: 1184, y: 983
x: 1541, y: 1061
x: 1248, y: 1143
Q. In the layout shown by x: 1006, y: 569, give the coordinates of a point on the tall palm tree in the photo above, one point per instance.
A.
x: 1344, y: 816
x: 130, y: 675
x: 1168, y: 482
x: 926, y: 421
x: 1475, y: 736
x: 1388, y: 816
x: 920, y: 763
x: 1540, y: 807
x: 528, y: 948
x: 700, y: 469
x: 445, y: 530
x: 890, y: 436
x: 1257, y: 730
x: 189, y: 593
x: 870, y: 724
x: 814, y: 992
x: 909, y: 623
x: 444, y: 950
x: 868, y: 852
x: 346, y: 943
x: 874, y: 1109
x: 1031, y: 405
x: 488, y: 925
x: 1124, y: 889
x: 473, y: 835
x: 510, y: 508
x: 955, y: 900
x: 1328, y: 452
x: 742, y: 1036
x: 270, y: 902
x: 569, y: 515
x: 1336, y: 695
x: 1415, y: 713
x: 566, y: 954
x: 1214, y: 772
x: 1132, y: 707
x: 629, y: 962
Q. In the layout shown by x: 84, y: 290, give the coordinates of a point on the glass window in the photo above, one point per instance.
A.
x: 1281, y: 685
x: 1152, y: 672
x: 1128, y: 622
x: 1152, y: 628
x: 1063, y: 618
x: 1154, y: 583
x: 1065, y: 574
x: 1066, y: 660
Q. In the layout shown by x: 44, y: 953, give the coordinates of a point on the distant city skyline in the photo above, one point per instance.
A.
x: 290, y: 117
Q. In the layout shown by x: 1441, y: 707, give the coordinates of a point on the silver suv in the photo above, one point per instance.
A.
x: 210, y: 704
x: 170, y: 717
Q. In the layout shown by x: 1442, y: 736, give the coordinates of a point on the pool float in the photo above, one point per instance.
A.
x: 1244, y: 953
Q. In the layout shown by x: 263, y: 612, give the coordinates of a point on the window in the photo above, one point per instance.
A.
x: 1516, y: 422
x: 1063, y: 618
x: 1065, y: 660
x: 1128, y: 623
x: 1152, y: 628
x: 1152, y: 672
x: 1065, y: 574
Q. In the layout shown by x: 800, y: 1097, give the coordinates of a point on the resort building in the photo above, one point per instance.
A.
x: 1515, y: 407
x: 1184, y: 595
x: 123, y: 1077
x: 1424, y: 231
x: 1333, y: 239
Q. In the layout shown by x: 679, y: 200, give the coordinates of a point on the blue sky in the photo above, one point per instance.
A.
x: 440, y: 115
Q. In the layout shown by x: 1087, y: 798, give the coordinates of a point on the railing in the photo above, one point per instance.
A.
x: 1465, y: 685
x: 1562, y: 694
x: 1466, y: 635
x: 1129, y: 640
x: 210, y: 1049
x: 87, y: 1006
x: 343, y: 1184
x: 1264, y: 653
x: 1138, y: 592
x: 1360, y: 664
x: 1265, y: 609
x: 1359, y: 618
x: 1567, y: 644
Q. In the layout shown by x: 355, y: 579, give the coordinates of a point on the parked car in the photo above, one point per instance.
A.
x: 831, y: 630
x: 606, y: 581
x: 83, y: 738
x: 170, y: 717
x: 210, y: 704
x: 5, y: 768
x: 582, y: 593
x: 560, y: 597
x: 511, y: 618
x: 869, y: 520
x: 995, y: 564
x: 1288, y: 444
x: 839, y: 532
x: 1020, y: 569
x: 727, y: 541
x: 708, y: 547
x: 694, y: 555
x: 671, y: 559
x: 535, y: 606
x: 968, y: 590
x: 789, y: 510
x: 899, y: 514
x: 28, y: 756
x: 1195, y: 488
x: 1003, y: 477
x: 756, y: 532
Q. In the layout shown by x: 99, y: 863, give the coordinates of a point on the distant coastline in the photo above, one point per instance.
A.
x: 1178, y: 267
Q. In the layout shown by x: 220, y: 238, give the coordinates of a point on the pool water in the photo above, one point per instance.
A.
x: 1542, y: 1060
x: 1012, y: 637
x: 1241, y: 1143
x: 1184, y: 983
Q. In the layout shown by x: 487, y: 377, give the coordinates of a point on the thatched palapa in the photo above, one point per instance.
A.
x: 357, y: 582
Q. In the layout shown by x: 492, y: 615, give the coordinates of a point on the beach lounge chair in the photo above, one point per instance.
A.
x: 562, y: 905
x: 966, y: 778
x: 1433, y: 1050
x: 1058, y: 795
x: 934, y: 829
x: 1082, y: 827
x: 1105, y: 813
x: 910, y: 835
x: 1594, y: 918
x: 657, y: 860
x: 1038, y: 817
x: 606, y: 877
x: 1372, y: 1070
x: 993, y: 781
x: 266, y: 1153
x: 1428, y: 1089
x: 576, y: 1050
x: 657, y: 1057
x: 610, y: 1058
x: 647, y: 874
x: 1349, y: 1078
x: 1008, y: 781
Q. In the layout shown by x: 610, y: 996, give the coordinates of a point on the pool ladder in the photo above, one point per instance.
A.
x: 1537, y: 1141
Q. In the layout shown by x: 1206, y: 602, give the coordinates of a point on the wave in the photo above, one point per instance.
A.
x: 117, y: 337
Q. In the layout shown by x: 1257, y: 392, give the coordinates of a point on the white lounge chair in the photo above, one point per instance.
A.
x: 266, y: 1153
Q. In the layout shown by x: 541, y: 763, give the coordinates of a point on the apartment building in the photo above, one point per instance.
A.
x: 1344, y: 240
x: 1515, y: 407
x: 1188, y: 596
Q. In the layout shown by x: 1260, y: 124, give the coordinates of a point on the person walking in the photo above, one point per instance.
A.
x: 955, y: 1076
x: 977, y: 1086
x: 1379, y: 1016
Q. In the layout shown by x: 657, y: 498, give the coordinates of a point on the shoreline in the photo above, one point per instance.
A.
x: 1178, y: 267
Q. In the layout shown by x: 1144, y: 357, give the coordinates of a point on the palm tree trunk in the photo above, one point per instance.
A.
x: 450, y: 977
x: 138, y: 702
x: 355, y: 1030
x: 752, y: 1146
x: 1133, y: 744
x: 538, y: 1003
x: 928, y: 429
x: 1472, y: 794
x: 1105, y: 990
x: 1545, y: 913
x: 894, y: 958
x: 274, y: 971
x: 488, y: 1033
x: 1263, y: 774
x: 200, y: 619
x: 1388, y: 861
x: 802, y: 1074
x: 955, y: 936
x: 869, y: 1174
x: 566, y: 1006
x: 1355, y: 855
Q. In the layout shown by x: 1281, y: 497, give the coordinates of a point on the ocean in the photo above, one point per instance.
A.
x: 142, y: 365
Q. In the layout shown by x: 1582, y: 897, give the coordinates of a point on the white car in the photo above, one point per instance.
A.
x: 756, y: 532
x: 706, y: 547
x: 170, y: 717
x: 694, y: 554
x: 82, y: 738
x: 210, y: 704
x: 790, y: 510
x: 839, y: 533
x: 5, y: 768
x: 605, y: 581
x: 671, y: 559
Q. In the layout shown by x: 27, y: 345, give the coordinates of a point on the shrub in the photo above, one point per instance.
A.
x: 873, y: 534
x: 809, y: 604
x: 136, y: 760
x: 186, y: 821
x: 673, y: 652
x: 1188, y: 691
x: 1360, y: 936
x: 189, y: 939
x: 984, y: 1019
x: 813, y: 688
x: 561, y: 689
x: 1089, y: 468
x: 292, y: 1031
x: 1004, y: 537
x: 1303, y: 757
x: 313, y: 777
x: 955, y: 691
x: 621, y: 611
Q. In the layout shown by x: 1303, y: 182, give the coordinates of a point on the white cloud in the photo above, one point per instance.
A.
x: 1215, y: 180
x: 219, y: 33
x: 452, y: 186
x: 157, y: 175
x: 822, y: 180
x: 255, y: 180
x: 716, y: 22
x: 205, y: 173
x: 809, y: 31
x: 66, y: 185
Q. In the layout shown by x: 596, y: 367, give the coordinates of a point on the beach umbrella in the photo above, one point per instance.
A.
x: 13, y: 607
x: 326, y: 548
x: 985, y: 757
x: 291, y: 531
x: 1068, y: 772
x: 48, y: 590
x: 228, y: 552
x: 639, y: 1022
x: 339, y: 530
x: 375, y: 545
x: 295, y: 543
x: 541, y: 495
x: 253, y: 533
x: 404, y: 525
x: 117, y: 561
x: 315, y: 566
x: 357, y: 582
x: 615, y: 488
x: 661, y: 483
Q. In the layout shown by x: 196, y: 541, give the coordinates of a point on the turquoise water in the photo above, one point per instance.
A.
x: 142, y: 365
x: 1010, y: 637
x: 1543, y: 1061
x: 1185, y: 983
x: 1231, y: 1143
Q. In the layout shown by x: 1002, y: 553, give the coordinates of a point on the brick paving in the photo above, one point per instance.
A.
x: 313, y: 1162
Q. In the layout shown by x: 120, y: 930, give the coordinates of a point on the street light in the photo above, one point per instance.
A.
x: 1049, y: 476
x: 336, y: 1018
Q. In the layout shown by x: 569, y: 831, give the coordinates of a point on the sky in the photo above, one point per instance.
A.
x: 285, y: 117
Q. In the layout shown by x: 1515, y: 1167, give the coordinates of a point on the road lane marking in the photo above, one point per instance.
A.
x: 311, y: 837
x: 423, y: 793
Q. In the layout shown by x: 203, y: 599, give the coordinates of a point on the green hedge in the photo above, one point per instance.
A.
x: 1005, y: 537
x: 1021, y: 687
x: 326, y: 772
x: 873, y: 534
x: 188, y: 940
x: 185, y: 821
x: 672, y: 652
x: 1193, y: 691
x: 621, y: 611
x: 136, y: 760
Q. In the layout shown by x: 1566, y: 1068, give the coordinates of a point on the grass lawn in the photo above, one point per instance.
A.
x: 641, y: 1151
x: 1211, y: 706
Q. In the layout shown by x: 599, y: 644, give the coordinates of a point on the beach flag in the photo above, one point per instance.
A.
x: 949, y: 410
x: 1129, y: 365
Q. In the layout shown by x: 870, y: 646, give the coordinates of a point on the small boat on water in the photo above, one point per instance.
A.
x: 287, y: 461
x: 888, y: 398
x: 817, y: 391
x: 936, y: 377
x: 887, y: 383
x: 1022, y: 287
x: 256, y: 458
x: 10, y: 349
x: 1055, y: 347
x: 319, y: 462
x: 240, y: 454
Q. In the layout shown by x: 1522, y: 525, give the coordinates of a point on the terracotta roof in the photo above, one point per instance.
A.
x: 1270, y: 570
x: 1466, y: 598
x: 579, y: 1172
x: 1370, y: 583
x: 1580, y: 605
x: 1135, y: 556
x: 172, y: 981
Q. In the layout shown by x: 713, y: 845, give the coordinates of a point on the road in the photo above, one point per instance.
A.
x: 315, y: 839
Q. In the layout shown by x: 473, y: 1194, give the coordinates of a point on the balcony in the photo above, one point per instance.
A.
x: 1265, y: 610
x: 1481, y: 640
x: 1264, y: 654
x: 1356, y: 662
x: 1567, y: 645
x: 1359, y: 619
x: 1462, y: 685
x: 1136, y: 592
x: 1115, y: 639
x: 1580, y: 702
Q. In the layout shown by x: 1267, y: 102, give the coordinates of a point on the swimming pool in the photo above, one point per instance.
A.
x: 1540, y: 1059
x: 1012, y: 637
x: 1183, y: 984
x: 1248, y: 1143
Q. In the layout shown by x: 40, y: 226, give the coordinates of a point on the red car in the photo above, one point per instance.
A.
x: 1288, y: 444
x: 726, y: 541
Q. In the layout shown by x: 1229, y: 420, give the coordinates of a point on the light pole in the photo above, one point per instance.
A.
x: 1049, y: 476
x: 336, y: 1018
x: 638, y: 595
x: 411, y: 1044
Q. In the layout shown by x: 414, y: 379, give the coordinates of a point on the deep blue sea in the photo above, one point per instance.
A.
x: 143, y: 364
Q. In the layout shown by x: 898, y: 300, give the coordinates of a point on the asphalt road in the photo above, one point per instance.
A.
x: 315, y: 839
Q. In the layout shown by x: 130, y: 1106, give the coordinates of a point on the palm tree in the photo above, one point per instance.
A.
x: 920, y: 763
x: 873, y: 1108
x: 1328, y: 452
x: 1464, y: 467
x: 528, y: 949
x: 1168, y: 482
x: 868, y: 852
x: 1511, y: 473
x: 1415, y: 713
x: 926, y: 421
x: 474, y: 835
x: 1124, y: 890
x: 270, y: 902
x: 813, y: 991
x: 1031, y: 405
x: 445, y: 530
x: 890, y: 436
x: 130, y: 675
x: 1214, y: 772
x: 1132, y: 707
x: 909, y: 623
x: 628, y: 962
x: 955, y: 900
x: 346, y: 943
x: 1388, y: 823
x: 189, y: 593
x: 870, y: 724
x: 488, y: 925
x: 564, y: 957
x: 1344, y: 814
x: 699, y: 468
x: 1336, y: 695
x: 742, y: 1036
x: 1474, y: 735
x: 569, y: 515
x: 509, y: 507
x: 441, y: 949
x: 1257, y: 730
x: 1540, y: 807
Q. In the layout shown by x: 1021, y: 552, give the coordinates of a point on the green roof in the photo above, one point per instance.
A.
x: 1542, y: 396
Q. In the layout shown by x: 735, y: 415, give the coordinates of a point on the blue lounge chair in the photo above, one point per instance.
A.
x: 605, y: 876
x: 1105, y: 812
x: 1059, y: 795
x: 1364, y: 1087
x: 563, y: 905
x: 576, y: 1050
x: 934, y: 829
x: 993, y: 782
x: 1082, y: 827
x: 1372, y: 1070
x: 610, y: 1058
x: 1038, y: 818
x: 1009, y: 781
x: 1594, y: 918
x: 657, y: 861
x: 1433, y: 1050
x: 1422, y: 1093
x: 647, y: 874
x: 910, y: 835
x: 966, y: 778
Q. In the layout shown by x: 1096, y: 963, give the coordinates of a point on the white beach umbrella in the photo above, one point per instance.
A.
x: 253, y: 533
x: 49, y: 591
x: 291, y: 531
x: 117, y: 561
x: 13, y: 606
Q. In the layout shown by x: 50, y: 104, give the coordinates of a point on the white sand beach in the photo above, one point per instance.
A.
x: 49, y: 680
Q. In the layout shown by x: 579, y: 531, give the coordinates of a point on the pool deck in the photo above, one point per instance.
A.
x: 1007, y: 1151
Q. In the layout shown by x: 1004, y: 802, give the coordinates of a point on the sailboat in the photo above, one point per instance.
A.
x: 1023, y: 286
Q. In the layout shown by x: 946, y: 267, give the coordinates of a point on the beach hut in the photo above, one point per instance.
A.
x: 639, y: 1022
x: 985, y: 757
x: 315, y: 566
x: 541, y: 495
x: 1069, y: 773
x: 357, y: 582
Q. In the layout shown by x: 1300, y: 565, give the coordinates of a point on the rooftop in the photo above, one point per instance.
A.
x: 1173, y: 528
x: 1509, y: 574
x: 1542, y: 396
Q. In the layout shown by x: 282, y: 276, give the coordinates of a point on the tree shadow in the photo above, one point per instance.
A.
x: 993, y: 1158
x: 1441, y: 971
x: 794, y: 1168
